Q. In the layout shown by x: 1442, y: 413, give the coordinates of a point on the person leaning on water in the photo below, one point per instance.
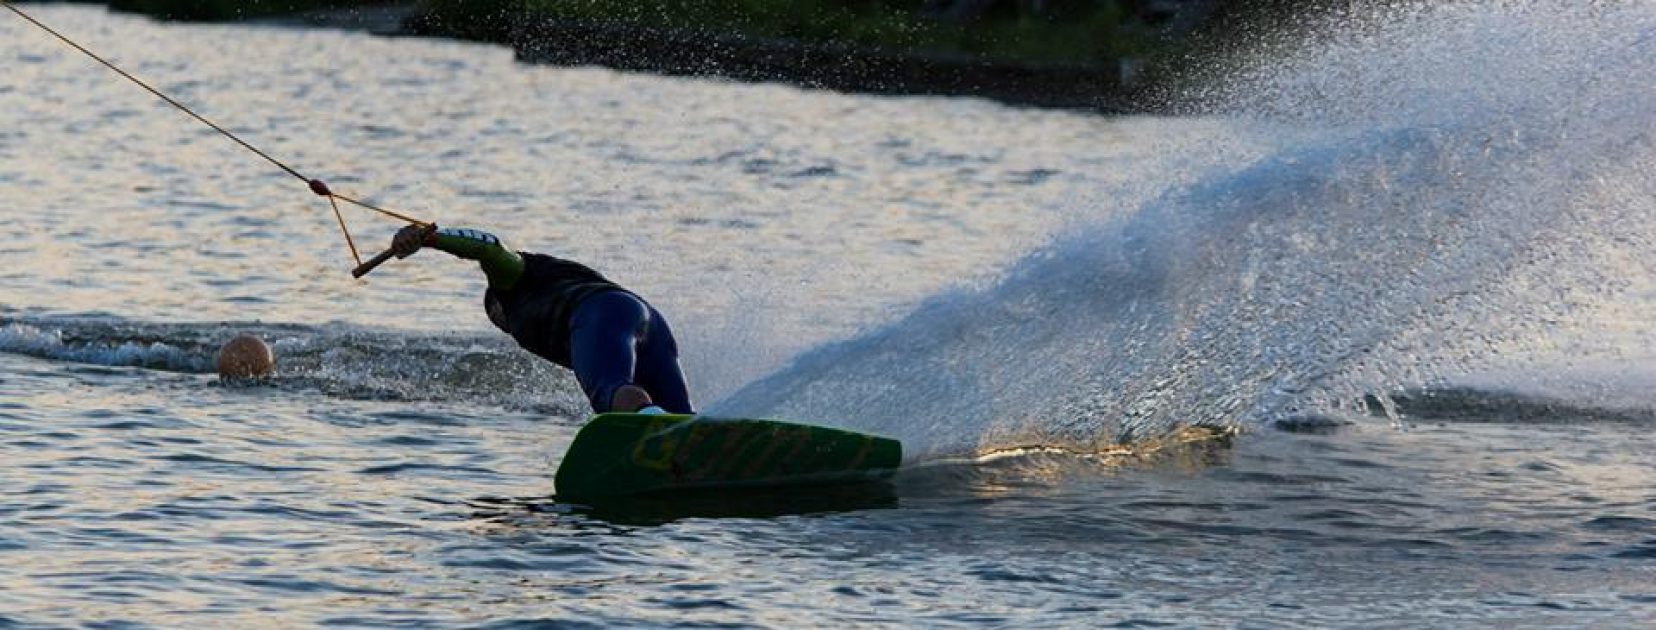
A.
x: 621, y: 348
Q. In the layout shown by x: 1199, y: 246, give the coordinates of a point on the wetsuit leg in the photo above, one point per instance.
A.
x: 658, y: 370
x: 604, y: 332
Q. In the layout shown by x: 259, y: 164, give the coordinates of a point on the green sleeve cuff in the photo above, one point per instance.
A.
x: 501, y: 265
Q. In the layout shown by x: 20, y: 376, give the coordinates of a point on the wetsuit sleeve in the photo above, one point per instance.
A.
x: 503, y: 266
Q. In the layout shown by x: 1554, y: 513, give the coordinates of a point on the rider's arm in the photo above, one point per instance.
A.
x: 503, y: 266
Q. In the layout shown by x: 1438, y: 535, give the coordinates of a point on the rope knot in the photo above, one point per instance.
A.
x: 320, y: 188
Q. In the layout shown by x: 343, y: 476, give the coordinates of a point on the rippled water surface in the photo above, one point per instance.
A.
x: 1406, y: 271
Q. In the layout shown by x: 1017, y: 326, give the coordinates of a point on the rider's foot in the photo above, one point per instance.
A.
x: 630, y: 398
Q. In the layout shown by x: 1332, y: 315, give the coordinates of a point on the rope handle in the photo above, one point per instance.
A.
x: 378, y: 259
x: 389, y: 253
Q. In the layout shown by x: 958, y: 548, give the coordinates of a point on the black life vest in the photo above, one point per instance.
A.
x: 537, y: 310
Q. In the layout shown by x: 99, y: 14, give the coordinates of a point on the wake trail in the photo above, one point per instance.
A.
x: 1451, y: 187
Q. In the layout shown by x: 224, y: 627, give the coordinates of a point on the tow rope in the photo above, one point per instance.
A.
x: 316, y: 185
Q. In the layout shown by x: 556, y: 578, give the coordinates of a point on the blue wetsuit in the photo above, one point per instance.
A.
x: 617, y: 339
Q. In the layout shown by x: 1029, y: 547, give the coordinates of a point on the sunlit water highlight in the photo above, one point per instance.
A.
x: 1444, y: 218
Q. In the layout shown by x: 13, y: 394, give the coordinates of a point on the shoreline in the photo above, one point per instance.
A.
x: 835, y: 67
x: 547, y: 40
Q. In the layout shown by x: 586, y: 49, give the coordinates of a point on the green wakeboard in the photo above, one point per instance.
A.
x: 622, y: 454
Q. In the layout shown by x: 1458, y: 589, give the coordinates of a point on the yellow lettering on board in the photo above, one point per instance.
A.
x: 660, y: 457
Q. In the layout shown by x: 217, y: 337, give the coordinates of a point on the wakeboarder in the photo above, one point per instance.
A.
x: 620, y: 348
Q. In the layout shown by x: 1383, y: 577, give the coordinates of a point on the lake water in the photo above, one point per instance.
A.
x: 1408, y: 259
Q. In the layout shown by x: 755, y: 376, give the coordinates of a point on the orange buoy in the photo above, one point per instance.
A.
x: 245, y: 357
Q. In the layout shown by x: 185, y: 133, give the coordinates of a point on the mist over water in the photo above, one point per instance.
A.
x: 1454, y: 188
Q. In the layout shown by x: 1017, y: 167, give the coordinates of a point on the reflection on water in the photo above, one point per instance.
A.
x: 398, y: 469
x: 661, y: 509
x: 154, y: 497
